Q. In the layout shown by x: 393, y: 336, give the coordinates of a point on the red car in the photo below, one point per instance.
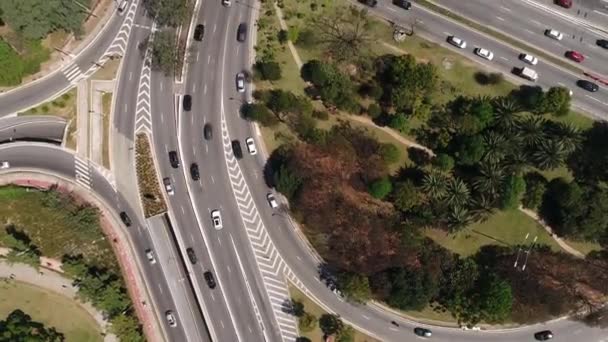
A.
x: 564, y: 3
x: 575, y: 56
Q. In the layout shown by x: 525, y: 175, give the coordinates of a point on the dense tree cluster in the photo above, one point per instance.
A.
x: 35, y: 19
x: 168, y: 12
x: 19, y: 327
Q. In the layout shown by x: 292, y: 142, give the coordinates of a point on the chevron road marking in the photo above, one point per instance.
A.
x: 143, y: 118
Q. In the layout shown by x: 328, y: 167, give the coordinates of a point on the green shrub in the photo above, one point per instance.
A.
x: 321, y: 115
x: 390, y: 153
x: 381, y: 188
x: 374, y: 110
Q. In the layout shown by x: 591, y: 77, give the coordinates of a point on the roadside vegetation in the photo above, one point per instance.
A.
x: 491, y: 147
x: 315, y: 323
x: 25, y: 33
x: 151, y: 196
x: 57, y: 225
x: 19, y: 326
x: 48, y: 308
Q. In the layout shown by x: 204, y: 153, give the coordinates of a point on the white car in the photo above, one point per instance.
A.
x: 171, y: 319
x: 485, y: 54
x: 555, y: 34
x: 528, y: 59
x: 150, y: 256
x: 216, y: 218
x: 240, y: 82
x: 226, y: 3
x: 4, y: 165
x: 457, y: 42
x: 251, y: 146
x: 272, y: 201
x: 168, y: 186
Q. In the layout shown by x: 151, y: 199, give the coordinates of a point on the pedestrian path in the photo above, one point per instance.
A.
x: 53, y: 281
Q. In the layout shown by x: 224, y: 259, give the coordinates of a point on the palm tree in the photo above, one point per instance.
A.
x: 516, y: 162
x: 483, y: 208
x: 506, y: 113
x: 458, y: 218
x: 550, y: 154
x: 457, y: 193
x: 489, y: 181
x: 569, y: 135
x: 496, y: 147
x: 434, y: 184
x: 531, y: 130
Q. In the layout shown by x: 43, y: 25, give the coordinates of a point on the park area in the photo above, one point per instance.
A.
x: 50, y: 309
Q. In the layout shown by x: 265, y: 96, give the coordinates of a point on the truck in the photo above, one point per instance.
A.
x: 528, y: 74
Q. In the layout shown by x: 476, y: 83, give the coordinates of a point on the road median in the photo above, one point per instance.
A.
x: 150, y: 193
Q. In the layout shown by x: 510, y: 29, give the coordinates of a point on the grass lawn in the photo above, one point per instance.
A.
x: 53, y: 231
x: 108, y: 70
x: 64, y: 106
x: 505, y: 228
x: 51, y: 309
x: 583, y: 246
x: 106, y: 104
x: 316, y: 335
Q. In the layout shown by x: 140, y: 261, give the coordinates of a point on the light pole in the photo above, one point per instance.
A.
x: 519, y: 250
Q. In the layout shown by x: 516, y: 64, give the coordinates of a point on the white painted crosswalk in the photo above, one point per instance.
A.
x: 82, y: 171
x: 72, y: 72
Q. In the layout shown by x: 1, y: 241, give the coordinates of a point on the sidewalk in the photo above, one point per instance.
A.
x: 54, y: 282
x: 96, y: 137
x: 82, y: 119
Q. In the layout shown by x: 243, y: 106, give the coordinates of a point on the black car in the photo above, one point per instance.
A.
x: 588, y: 85
x: 173, y: 160
x: 422, y: 332
x: 191, y: 255
x: 403, y: 4
x: 208, y: 131
x: 241, y: 32
x: 199, y: 32
x: 125, y: 219
x: 603, y: 43
x: 194, y: 172
x: 209, y: 279
x: 236, y: 149
x: 370, y: 3
x: 187, y: 103
x: 543, y: 335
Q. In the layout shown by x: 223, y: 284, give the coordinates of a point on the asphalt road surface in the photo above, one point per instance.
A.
x: 36, y: 128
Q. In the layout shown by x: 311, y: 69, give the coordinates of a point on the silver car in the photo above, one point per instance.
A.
x: 457, y: 42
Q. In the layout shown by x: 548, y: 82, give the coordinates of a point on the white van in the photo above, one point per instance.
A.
x: 528, y: 74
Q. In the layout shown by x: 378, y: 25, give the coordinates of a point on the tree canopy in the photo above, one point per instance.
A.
x: 19, y: 327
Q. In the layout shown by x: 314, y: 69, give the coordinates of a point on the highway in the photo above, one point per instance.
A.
x: 437, y: 28
x: 110, y: 41
x: 34, y: 127
x: 527, y: 21
x: 164, y: 279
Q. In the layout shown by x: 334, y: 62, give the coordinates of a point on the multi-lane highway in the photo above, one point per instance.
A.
x: 437, y: 28
x: 527, y: 21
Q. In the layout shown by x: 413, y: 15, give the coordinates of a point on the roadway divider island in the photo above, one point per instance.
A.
x: 149, y: 188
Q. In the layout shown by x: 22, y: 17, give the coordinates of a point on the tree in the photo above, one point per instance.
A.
x: 399, y: 122
x: 410, y: 289
x: 168, y: 12
x: 334, y: 87
x: 282, y: 37
x: 19, y: 327
x: 506, y: 113
x: 346, y: 335
x: 406, y: 83
x: 556, y: 101
x: 355, y: 286
x: 331, y: 324
x: 435, y: 184
x: 470, y: 150
x: 531, y: 131
x: 163, y: 51
x: 443, y: 162
x: 457, y: 193
x: 345, y: 32
x: 307, y: 322
x: 34, y: 19
x: 381, y: 188
x: 535, y: 189
x: 260, y: 113
x: 287, y: 182
x: 566, y: 133
x: 373, y: 110
x: 513, y: 192
x: 550, y: 154
x: 389, y: 153
x: 495, y: 299
x: 268, y: 70
x: 407, y: 196
x: 127, y: 328
x: 490, y: 179
x: 590, y: 162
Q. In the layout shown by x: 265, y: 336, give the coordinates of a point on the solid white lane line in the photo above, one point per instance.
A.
x: 130, y: 75
x: 197, y: 53
x: 501, y: 57
x: 500, y: 18
x: 161, y: 86
x: 505, y: 9
x: 194, y: 88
